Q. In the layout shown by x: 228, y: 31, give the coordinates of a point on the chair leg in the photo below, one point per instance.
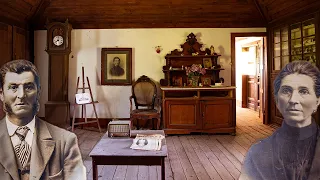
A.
x: 73, y: 118
x: 158, y: 123
x: 137, y: 124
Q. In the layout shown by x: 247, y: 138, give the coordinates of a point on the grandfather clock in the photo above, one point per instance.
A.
x: 58, y: 48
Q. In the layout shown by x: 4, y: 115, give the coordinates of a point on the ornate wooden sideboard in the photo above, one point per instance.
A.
x: 191, y: 53
x: 203, y: 109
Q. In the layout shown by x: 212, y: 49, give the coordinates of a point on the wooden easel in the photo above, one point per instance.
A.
x: 83, y: 106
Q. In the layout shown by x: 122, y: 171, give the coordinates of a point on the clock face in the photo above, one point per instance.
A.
x: 58, y: 40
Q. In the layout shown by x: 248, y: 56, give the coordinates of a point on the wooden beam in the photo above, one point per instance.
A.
x: 262, y: 13
x: 34, y: 9
x: 42, y: 6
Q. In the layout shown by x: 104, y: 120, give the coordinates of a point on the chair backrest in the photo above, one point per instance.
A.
x: 144, y: 92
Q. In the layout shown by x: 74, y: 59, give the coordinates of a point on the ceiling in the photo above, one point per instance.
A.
x: 109, y: 14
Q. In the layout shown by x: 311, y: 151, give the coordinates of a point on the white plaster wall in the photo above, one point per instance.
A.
x: 86, y: 51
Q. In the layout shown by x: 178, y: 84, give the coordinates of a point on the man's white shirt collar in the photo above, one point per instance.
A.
x: 12, y: 127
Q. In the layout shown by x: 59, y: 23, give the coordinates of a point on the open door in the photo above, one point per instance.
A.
x: 253, y: 92
x: 260, y: 81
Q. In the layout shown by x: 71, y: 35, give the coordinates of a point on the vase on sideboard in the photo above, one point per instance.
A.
x: 195, y: 81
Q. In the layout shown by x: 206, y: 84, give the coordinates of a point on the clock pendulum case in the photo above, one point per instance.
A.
x: 58, y: 49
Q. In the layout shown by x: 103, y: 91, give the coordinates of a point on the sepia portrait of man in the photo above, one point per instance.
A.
x: 116, y: 66
x: 31, y: 148
x: 116, y: 69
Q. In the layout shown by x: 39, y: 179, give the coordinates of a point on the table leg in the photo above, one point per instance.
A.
x: 163, y: 172
x: 94, y: 170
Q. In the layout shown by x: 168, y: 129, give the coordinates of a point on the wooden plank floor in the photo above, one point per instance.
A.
x: 190, y: 157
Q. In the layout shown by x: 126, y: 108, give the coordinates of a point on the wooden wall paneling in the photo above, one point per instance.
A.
x: 12, y: 14
x: 19, y: 43
x: 18, y: 12
x: 29, y: 46
x: 5, y: 51
x: 317, y: 19
x: 5, y: 43
x: 276, y: 116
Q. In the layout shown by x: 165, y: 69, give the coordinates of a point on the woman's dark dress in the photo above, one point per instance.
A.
x: 286, y: 155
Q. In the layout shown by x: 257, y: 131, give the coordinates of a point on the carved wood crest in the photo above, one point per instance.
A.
x: 190, y: 47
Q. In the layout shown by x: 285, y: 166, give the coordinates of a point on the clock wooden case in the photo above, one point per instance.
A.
x: 58, y: 49
x: 58, y: 37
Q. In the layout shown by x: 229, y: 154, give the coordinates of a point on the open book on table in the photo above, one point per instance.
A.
x: 147, y: 142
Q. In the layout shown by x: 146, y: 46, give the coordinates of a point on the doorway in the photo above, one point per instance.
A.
x: 250, y: 71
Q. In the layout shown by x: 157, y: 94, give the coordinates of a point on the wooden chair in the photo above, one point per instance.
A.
x: 144, y: 94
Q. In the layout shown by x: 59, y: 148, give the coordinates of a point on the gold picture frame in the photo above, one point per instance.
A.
x: 207, y: 63
x: 177, y: 81
x: 116, y: 66
x: 206, y: 80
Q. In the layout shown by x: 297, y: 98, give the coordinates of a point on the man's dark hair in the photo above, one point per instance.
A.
x: 19, y: 66
x: 116, y: 58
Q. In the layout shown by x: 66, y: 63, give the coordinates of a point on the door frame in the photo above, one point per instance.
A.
x: 265, y: 110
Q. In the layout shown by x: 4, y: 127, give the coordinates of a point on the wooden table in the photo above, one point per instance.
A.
x: 117, y: 151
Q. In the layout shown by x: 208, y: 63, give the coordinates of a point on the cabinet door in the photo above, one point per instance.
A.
x: 276, y: 50
x: 280, y: 48
x: 309, y: 41
x: 217, y: 114
x: 182, y: 114
x: 5, y: 43
x: 303, y: 41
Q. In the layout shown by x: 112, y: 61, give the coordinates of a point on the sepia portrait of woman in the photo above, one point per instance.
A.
x: 292, y: 152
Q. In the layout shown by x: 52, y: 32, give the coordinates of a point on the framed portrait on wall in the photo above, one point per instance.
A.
x: 116, y: 66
